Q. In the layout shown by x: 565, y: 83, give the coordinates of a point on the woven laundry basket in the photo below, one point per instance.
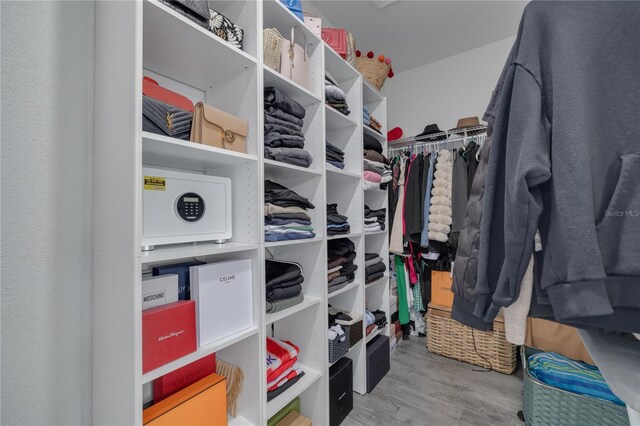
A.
x: 447, y: 337
x: 546, y: 405
x: 374, y: 71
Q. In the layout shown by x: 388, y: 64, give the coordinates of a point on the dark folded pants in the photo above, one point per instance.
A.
x: 274, y: 97
x: 282, y: 196
x: 340, y: 247
x: 295, y: 125
x: 371, y: 278
x: 283, y: 293
x: 378, y: 267
x: 276, y: 112
x: 277, y: 272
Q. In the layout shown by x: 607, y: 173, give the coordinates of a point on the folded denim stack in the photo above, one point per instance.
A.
x: 283, y: 369
x: 335, y: 96
x: 283, y: 137
x: 341, y: 254
x: 375, y: 165
x: 366, y: 116
x: 374, y: 220
x: 283, y: 284
x: 285, y: 214
x: 374, y: 267
x: 335, y: 156
x: 337, y: 224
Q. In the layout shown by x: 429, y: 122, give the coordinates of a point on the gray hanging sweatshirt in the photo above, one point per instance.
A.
x: 565, y: 158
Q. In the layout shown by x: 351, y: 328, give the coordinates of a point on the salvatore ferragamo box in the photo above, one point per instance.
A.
x: 224, y: 299
x: 168, y: 333
x: 179, y: 379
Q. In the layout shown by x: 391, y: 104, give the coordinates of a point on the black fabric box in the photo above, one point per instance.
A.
x: 378, y: 363
x: 340, y: 391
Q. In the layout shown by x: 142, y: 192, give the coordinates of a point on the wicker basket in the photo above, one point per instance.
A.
x: 447, y: 337
x: 337, y: 349
x: 355, y: 333
x: 545, y: 405
x: 374, y: 71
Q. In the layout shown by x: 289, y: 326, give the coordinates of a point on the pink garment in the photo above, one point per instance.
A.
x: 371, y: 176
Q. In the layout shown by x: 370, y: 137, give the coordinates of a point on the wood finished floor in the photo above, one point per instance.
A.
x: 427, y: 389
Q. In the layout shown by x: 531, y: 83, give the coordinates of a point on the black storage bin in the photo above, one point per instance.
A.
x: 340, y: 391
x: 378, y: 363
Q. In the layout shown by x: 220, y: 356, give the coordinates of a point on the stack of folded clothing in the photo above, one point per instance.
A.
x: 374, y: 219
x: 283, y: 369
x: 374, y: 320
x: 335, y: 156
x: 286, y: 216
x: 341, y: 271
x: 374, y: 267
x: 283, y: 137
x: 366, y: 116
x: 335, y: 96
x: 375, y: 124
x: 375, y: 165
x: 370, y: 120
x: 284, y: 285
x: 336, y: 223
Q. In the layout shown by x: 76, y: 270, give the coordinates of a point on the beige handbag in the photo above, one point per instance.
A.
x: 214, y: 127
x: 272, y: 42
x: 295, y: 63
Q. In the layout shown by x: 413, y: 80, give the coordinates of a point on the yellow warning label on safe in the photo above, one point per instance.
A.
x: 153, y: 183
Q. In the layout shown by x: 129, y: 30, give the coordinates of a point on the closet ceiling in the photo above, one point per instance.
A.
x: 415, y: 32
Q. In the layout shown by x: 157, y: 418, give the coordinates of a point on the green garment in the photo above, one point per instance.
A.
x: 403, y: 305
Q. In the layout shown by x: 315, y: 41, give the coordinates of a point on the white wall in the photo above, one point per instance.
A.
x: 443, y: 91
x: 46, y: 177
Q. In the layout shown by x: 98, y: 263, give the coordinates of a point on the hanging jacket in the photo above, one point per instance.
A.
x: 465, y: 268
x: 586, y: 201
x: 440, y: 210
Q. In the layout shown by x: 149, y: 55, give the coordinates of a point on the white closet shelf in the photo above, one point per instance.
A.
x: 350, y: 235
x: 310, y: 377
x: 337, y: 120
x: 306, y: 303
x: 170, y: 41
x: 300, y: 94
x: 336, y: 173
x: 375, y: 134
x: 369, y: 94
x: 373, y: 334
x: 339, y: 68
x: 351, y: 286
x: 284, y: 168
x: 376, y: 282
x: 164, y: 151
x: 316, y: 239
x: 182, y: 251
x: 200, y: 353
x: 238, y: 421
x: 376, y: 232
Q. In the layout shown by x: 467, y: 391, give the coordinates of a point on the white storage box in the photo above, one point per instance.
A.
x: 224, y: 301
x: 159, y: 291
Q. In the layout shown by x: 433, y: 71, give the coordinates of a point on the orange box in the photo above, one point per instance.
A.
x: 202, y: 403
x: 441, y: 293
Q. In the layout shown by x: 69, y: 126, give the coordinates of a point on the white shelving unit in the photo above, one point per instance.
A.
x: 146, y: 38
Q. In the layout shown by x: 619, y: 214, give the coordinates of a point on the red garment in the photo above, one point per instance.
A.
x: 285, y: 377
x: 281, y: 356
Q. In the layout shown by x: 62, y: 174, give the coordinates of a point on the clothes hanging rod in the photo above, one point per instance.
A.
x: 442, y: 136
x: 479, y: 134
